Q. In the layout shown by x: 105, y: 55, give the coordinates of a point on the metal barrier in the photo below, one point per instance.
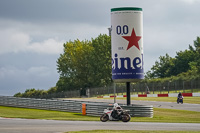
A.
x: 135, y: 110
x: 47, y: 104
x: 91, y: 108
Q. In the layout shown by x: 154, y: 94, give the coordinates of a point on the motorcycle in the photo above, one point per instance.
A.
x: 180, y: 100
x: 109, y: 114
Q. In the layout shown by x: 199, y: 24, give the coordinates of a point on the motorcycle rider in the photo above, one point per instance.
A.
x: 179, y: 97
x: 116, y: 111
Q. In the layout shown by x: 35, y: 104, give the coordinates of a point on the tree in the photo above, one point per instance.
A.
x: 196, y: 45
x: 161, y: 68
x: 73, y: 65
x: 181, y: 62
x: 85, y: 64
x: 18, y: 94
x: 196, y: 50
x: 101, y: 60
x: 184, y: 61
x: 52, y: 90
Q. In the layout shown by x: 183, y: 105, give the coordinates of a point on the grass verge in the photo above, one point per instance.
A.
x: 12, y: 112
x: 193, y: 100
x: 171, y: 116
x: 159, y: 92
x: 160, y: 115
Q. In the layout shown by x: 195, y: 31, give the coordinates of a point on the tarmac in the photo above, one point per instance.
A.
x: 156, y: 104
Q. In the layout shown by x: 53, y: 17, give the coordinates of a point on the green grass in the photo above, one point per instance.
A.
x: 171, y: 116
x: 158, y: 92
x: 12, y: 112
x: 130, y: 131
x: 193, y: 100
x: 160, y: 115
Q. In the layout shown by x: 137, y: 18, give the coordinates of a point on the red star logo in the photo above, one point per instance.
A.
x: 133, y: 40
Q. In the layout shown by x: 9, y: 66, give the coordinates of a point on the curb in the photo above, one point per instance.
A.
x: 156, y: 95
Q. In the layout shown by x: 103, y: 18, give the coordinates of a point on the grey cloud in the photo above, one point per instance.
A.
x: 169, y: 26
x: 22, y: 71
x: 50, y: 11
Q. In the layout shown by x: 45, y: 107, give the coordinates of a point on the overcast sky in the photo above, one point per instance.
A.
x: 32, y: 33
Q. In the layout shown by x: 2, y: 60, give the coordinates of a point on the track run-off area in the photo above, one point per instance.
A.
x: 17, y: 125
x: 156, y: 104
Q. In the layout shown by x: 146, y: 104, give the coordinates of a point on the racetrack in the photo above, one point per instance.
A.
x: 9, y: 125
x: 156, y: 104
x: 13, y: 125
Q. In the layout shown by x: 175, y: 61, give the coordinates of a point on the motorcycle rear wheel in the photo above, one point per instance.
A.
x: 126, y: 118
x: 104, y: 118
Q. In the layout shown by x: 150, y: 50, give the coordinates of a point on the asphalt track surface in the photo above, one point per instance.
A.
x: 156, y: 104
x: 8, y: 125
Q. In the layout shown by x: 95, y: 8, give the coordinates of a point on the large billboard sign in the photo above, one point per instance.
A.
x: 127, y: 44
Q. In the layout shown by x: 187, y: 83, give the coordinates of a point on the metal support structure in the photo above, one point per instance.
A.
x: 114, y: 92
x: 128, y: 95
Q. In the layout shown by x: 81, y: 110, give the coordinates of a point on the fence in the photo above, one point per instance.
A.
x: 183, y: 86
x: 153, y: 88
x: 92, y: 108
x: 62, y: 94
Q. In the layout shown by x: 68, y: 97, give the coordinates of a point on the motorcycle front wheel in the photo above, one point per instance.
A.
x: 104, y: 118
x: 126, y: 117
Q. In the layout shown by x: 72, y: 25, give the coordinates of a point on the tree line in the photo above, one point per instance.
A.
x: 87, y: 64
x: 184, y: 66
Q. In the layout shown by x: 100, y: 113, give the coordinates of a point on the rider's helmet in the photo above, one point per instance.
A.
x: 116, y: 106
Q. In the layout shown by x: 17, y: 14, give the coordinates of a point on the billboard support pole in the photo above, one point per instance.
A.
x: 128, y: 96
x: 114, y: 92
